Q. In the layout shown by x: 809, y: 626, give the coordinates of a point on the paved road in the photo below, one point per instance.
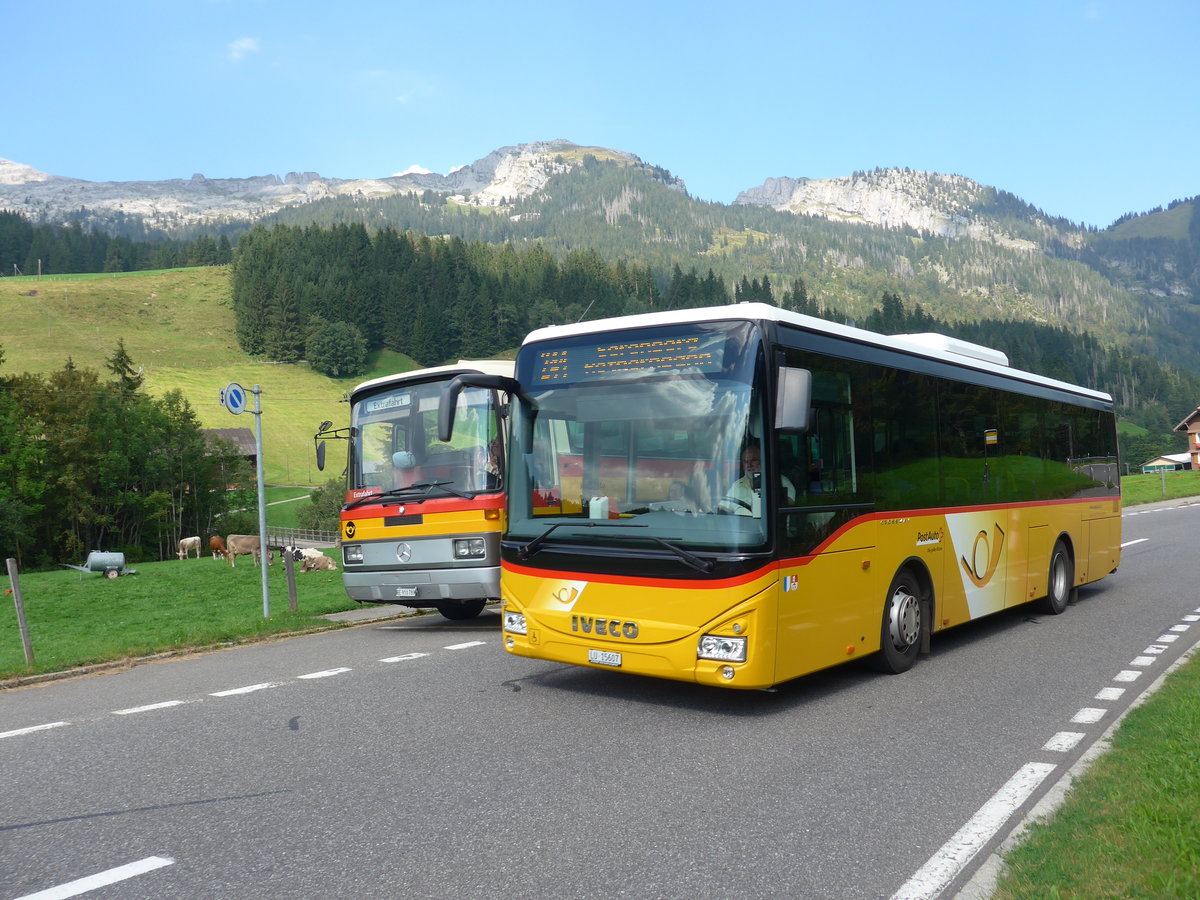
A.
x: 414, y: 758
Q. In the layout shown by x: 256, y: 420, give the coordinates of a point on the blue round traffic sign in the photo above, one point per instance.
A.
x: 235, y: 398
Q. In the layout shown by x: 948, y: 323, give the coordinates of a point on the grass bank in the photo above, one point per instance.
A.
x: 178, y: 325
x: 1139, y: 489
x: 77, y: 619
x: 1130, y: 826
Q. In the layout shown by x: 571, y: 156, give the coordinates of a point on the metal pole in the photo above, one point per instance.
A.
x: 262, y: 505
x: 21, y: 623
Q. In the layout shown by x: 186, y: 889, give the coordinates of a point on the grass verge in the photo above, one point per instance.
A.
x: 78, y: 619
x: 1138, y: 489
x: 1130, y: 826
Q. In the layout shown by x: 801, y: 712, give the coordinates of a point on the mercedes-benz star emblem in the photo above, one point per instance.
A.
x: 403, y: 552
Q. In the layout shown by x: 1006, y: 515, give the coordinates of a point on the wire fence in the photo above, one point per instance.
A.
x: 300, y: 537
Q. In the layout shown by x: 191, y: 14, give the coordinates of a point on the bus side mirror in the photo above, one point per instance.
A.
x: 321, y: 456
x: 448, y: 402
x: 793, y: 399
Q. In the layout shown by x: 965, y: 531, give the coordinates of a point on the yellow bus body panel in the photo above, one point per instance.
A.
x: 808, y: 613
x: 466, y: 521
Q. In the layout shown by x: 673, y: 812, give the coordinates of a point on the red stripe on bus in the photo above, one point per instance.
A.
x: 427, y: 507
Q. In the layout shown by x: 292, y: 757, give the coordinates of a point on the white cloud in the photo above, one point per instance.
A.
x: 243, y: 47
x: 413, y: 170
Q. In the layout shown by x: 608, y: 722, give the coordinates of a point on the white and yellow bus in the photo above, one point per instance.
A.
x: 740, y: 495
x: 422, y: 518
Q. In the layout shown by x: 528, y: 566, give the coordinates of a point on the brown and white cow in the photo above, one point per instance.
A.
x: 216, y: 544
x: 246, y: 545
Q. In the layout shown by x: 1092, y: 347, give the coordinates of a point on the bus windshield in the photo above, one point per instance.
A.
x: 396, y: 451
x: 639, y: 439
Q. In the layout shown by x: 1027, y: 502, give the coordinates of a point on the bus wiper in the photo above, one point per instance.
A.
x: 412, y: 491
x: 430, y: 485
x: 536, y: 544
x: 701, y: 565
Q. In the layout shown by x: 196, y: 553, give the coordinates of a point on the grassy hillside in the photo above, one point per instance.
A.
x: 178, y: 324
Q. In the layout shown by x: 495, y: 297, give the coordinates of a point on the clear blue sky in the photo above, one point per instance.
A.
x: 1087, y: 109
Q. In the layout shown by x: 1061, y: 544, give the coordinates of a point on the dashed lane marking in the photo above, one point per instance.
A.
x: 19, y: 731
x: 101, y: 879
x: 403, y: 657
x: 147, y: 708
x: 248, y: 689
x: 326, y: 673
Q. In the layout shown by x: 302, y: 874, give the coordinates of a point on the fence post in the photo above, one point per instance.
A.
x: 289, y: 566
x: 16, y: 592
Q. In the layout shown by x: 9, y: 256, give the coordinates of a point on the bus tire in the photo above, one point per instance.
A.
x: 1060, y: 581
x: 901, y: 628
x: 461, y: 609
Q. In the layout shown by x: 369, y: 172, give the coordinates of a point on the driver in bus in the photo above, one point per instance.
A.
x: 744, y: 497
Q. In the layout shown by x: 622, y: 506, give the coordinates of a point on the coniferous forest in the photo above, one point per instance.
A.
x: 442, y: 299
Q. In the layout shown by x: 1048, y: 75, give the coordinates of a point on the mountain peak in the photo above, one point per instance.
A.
x: 943, y: 205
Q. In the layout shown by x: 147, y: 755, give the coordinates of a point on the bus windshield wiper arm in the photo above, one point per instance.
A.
x: 701, y: 565
x: 412, y: 491
x: 430, y: 485
x: 536, y: 544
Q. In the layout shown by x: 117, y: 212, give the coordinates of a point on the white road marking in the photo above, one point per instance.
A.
x: 1088, y: 715
x: 31, y: 728
x: 1191, y: 618
x: 1155, y: 650
x: 138, y: 709
x: 1180, y: 628
x: 1063, y: 741
x: 325, y: 674
x: 944, y: 866
x: 249, y: 689
x: 406, y: 656
x: 465, y: 646
x: 1131, y: 543
x: 1127, y: 675
x: 1167, y: 638
x: 1110, y: 693
x: 101, y: 879
x: 1142, y: 661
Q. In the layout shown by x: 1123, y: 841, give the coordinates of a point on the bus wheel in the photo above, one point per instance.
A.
x: 1059, y: 582
x: 900, y: 631
x: 461, y: 609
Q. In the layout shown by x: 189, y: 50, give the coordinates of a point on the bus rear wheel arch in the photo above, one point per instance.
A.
x: 906, y: 621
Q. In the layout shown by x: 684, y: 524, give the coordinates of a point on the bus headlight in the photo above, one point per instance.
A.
x: 469, y: 548
x: 514, y: 622
x: 352, y: 553
x: 726, y: 649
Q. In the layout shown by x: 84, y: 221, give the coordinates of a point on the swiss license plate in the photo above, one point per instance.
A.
x: 406, y: 592
x: 604, y: 657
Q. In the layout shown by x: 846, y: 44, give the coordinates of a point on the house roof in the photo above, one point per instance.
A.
x: 1191, y: 419
x: 1174, y: 458
x: 241, y: 438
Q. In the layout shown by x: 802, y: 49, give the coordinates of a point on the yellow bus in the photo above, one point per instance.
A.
x: 422, y: 518
x: 741, y: 495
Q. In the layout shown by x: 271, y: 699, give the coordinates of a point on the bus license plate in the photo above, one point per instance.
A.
x: 604, y: 658
x: 406, y: 592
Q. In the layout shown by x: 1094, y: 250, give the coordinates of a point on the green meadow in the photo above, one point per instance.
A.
x: 178, y: 324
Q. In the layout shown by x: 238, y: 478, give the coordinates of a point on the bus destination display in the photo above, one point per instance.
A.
x: 693, y: 353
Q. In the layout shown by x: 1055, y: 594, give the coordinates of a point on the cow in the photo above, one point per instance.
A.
x: 299, y: 554
x: 216, y: 544
x: 187, y: 545
x: 318, y: 563
x: 246, y: 545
